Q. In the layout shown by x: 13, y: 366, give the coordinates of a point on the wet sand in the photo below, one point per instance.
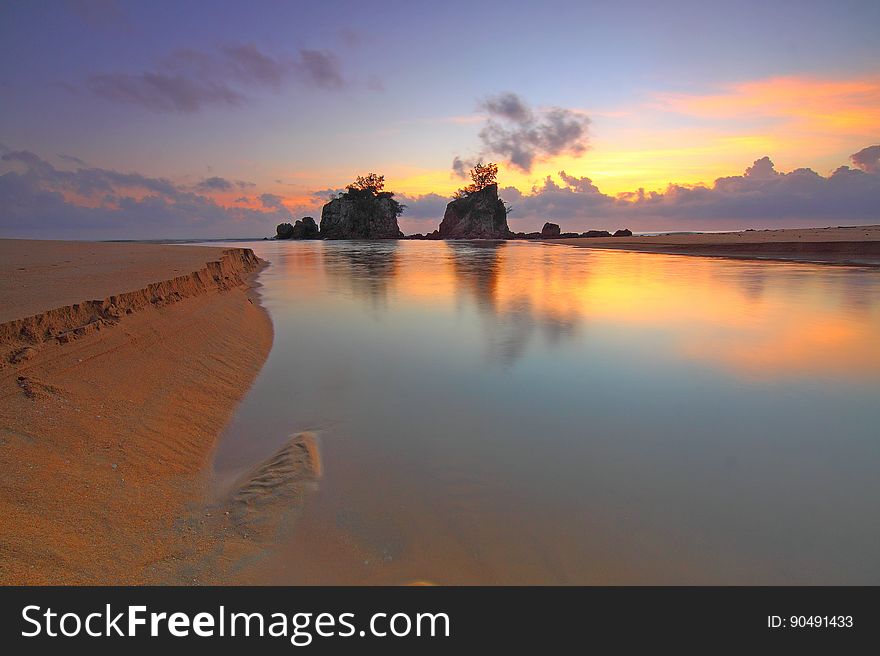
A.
x: 858, y: 245
x: 110, y: 409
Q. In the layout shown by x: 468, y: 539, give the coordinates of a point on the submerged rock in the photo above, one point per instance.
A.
x: 480, y: 215
x: 550, y: 230
x: 361, y: 215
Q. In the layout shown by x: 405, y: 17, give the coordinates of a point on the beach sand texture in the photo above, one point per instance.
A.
x: 106, y: 428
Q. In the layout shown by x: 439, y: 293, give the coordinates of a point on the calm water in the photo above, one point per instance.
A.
x: 530, y: 413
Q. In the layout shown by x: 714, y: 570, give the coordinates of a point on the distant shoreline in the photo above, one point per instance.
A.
x: 851, y: 246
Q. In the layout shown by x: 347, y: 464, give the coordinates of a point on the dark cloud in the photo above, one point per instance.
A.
x: 271, y: 201
x: 70, y: 159
x: 867, y: 159
x: 321, y: 69
x: 460, y: 167
x: 214, y: 184
x: 188, y: 80
x: 251, y: 66
x: 163, y: 93
x: 520, y: 135
x: 508, y: 106
x: 37, y: 202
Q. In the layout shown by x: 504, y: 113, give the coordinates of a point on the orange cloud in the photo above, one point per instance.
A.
x: 840, y: 106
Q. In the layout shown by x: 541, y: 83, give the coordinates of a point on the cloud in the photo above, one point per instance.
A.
x: 70, y: 159
x: 40, y: 200
x: 835, y: 106
x: 272, y: 201
x: 163, y: 93
x: 321, y: 69
x: 189, y: 80
x: 508, y: 106
x: 214, y: 184
x: 761, y: 197
x: 521, y: 136
x: 251, y: 66
x: 867, y: 159
x: 460, y: 167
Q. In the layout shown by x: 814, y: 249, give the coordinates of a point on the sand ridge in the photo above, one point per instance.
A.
x: 105, y: 439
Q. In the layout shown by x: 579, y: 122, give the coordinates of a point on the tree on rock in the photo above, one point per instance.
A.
x: 371, y: 182
x: 363, y: 211
x: 367, y: 188
x: 482, y: 175
x: 476, y: 212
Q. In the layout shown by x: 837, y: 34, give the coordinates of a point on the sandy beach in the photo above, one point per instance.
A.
x: 858, y: 245
x: 121, y: 364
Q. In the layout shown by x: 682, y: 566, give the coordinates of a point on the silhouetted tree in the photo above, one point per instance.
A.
x: 482, y: 175
x: 366, y: 189
x: 371, y: 182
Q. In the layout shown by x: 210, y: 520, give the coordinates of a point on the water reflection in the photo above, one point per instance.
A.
x: 510, y: 315
x: 530, y: 413
x: 368, y: 268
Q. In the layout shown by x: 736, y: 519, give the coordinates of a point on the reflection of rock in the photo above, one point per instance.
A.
x: 304, y: 228
x: 367, y: 268
x: 476, y: 269
x: 480, y: 215
x: 550, y: 230
x: 361, y: 216
x: 511, y: 320
x: 623, y: 233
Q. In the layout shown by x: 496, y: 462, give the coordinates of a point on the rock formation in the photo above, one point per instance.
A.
x: 304, y: 228
x: 591, y: 234
x: 550, y: 230
x: 480, y: 215
x: 361, y: 215
x: 625, y: 232
x: 283, y: 231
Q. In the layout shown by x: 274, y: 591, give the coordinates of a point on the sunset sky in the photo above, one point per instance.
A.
x: 194, y: 119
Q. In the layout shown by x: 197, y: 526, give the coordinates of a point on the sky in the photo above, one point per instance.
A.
x: 195, y: 120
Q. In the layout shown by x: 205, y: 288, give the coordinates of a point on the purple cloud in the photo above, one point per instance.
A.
x: 762, y: 196
x: 189, y: 80
x: 35, y: 198
x: 215, y: 183
x: 520, y: 135
x: 867, y: 159
x: 163, y: 93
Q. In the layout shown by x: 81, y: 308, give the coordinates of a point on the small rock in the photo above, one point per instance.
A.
x: 550, y: 230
